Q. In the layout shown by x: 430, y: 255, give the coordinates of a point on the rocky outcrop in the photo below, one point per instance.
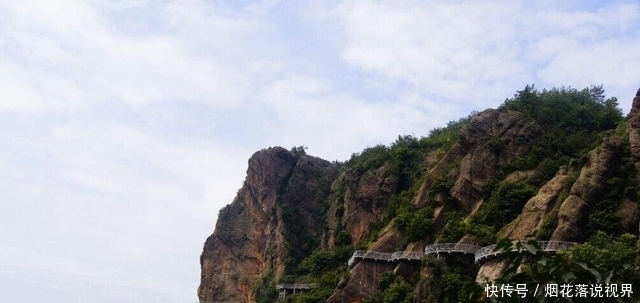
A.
x: 534, y: 213
x: 366, y: 197
x: 364, y: 276
x: 573, y: 208
x: 635, y: 106
x: 490, y: 271
x: 629, y: 215
x: 574, y: 211
x: 633, y: 132
x: 292, y: 203
x: 251, y: 237
x: 439, y: 170
x: 363, y: 282
x: 491, y: 138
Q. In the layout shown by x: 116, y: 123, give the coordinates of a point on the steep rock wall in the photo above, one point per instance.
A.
x: 366, y: 198
x: 251, y: 239
x: 491, y: 138
x: 628, y: 210
x: 574, y: 211
x: 290, y: 200
x: 534, y: 213
x: 364, y: 276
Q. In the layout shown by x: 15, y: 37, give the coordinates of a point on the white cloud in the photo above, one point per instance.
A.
x: 335, y: 124
x: 16, y: 95
x: 128, y: 124
x: 106, y: 193
x: 442, y: 50
x: 76, y: 280
x: 461, y: 52
x: 74, y: 52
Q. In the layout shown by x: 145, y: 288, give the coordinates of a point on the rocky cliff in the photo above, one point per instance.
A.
x: 515, y: 172
x: 251, y: 241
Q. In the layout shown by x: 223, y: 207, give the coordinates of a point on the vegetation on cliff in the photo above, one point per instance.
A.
x: 550, y: 164
x: 573, y: 121
x: 603, y: 260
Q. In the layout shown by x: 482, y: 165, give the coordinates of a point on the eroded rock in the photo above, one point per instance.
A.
x: 574, y: 211
x: 491, y: 138
x: 250, y: 235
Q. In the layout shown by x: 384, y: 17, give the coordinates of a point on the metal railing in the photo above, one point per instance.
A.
x: 485, y: 252
x: 451, y: 248
x: 283, y: 288
x: 480, y: 253
x: 556, y: 245
x: 295, y: 286
x: 489, y: 251
x: 406, y: 255
x: 388, y: 257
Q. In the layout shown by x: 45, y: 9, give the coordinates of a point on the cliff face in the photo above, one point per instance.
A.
x: 489, y: 139
x: 293, y: 205
x: 366, y: 198
x: 250, y: 240
x: 633, y: 131
x: 492, y: 138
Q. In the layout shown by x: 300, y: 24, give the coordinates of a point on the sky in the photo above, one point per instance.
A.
x: 127, y: 124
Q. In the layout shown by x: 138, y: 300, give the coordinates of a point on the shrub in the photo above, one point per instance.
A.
x: 323, y: 260
x: 420, y: 224
x: 573, y: 121
x: 505, y: 203
x: 549, y: 225
x: 453, y: 230
x: 603, y: 260
x: 385, y: 281
x: 400, y: 291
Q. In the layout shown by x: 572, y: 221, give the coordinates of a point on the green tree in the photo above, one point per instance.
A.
x: 505, y: 203
x: 299, y: 150
x: 573, y: 121
x: 589, y: 264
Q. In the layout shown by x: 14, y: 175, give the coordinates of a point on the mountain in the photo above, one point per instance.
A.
x: 560, y: 165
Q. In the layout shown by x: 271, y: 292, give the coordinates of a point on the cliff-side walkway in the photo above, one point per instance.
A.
x: 294, y: 288
x: 387, y: 257
x: 480, y: 253
x: 489, y: 251
x: 450, y: 248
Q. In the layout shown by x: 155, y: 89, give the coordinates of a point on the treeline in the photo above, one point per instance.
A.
x: 574, y: 122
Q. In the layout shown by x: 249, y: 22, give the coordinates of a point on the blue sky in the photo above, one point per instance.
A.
x: 127, y: 125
